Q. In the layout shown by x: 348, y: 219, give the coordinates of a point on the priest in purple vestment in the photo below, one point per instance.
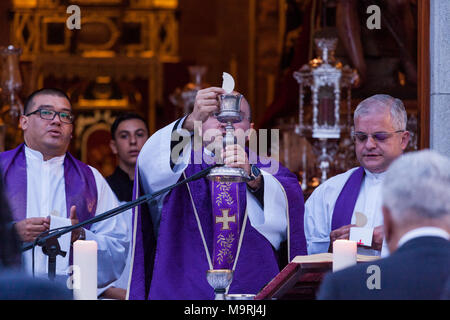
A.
x: 46, y: 185
x: 251, y: 228
x: 380, y: 136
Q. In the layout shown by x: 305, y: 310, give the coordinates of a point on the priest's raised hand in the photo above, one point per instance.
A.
x: 79, y: 233
x: 205, y: 105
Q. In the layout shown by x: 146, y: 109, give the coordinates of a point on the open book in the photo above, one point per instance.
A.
x: 328, y: 257
x: 301, y: 278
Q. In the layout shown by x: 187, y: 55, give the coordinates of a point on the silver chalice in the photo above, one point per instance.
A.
x: 230, y: 112
x: 219, y: 279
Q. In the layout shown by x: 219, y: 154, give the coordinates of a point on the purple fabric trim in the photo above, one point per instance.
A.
x: 14, y: 174
x: 345, y: 203
x: 81, y: 189
x: 227, y: 215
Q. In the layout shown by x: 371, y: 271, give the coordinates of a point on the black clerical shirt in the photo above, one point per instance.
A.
x: 121, y: 184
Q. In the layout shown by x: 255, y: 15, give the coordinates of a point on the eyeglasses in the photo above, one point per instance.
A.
x: 47, y: 114
x: 377, y: 136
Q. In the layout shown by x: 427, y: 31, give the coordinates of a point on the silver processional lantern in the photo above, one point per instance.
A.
x: 324, y: 80
x: 11, y: 106
x: 184, y: 98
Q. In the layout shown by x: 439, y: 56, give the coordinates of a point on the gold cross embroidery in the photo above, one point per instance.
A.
x: 225, y: 219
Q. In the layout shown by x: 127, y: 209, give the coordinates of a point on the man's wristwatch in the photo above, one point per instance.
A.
x: 254, y: 172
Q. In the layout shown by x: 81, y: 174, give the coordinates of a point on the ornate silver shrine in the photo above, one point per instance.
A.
x: 323, y: 80
x: 11, y: 106
x: 184, y: 98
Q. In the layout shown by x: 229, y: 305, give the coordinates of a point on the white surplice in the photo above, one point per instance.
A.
x: 122, y: 281
x: 156, y: 173
x: 320, y: 206
x: 46, y: 197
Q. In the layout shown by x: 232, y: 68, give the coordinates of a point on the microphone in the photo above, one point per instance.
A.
x: 56, y: 233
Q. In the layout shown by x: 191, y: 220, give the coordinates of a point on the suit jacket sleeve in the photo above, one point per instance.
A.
x: 328, y: 289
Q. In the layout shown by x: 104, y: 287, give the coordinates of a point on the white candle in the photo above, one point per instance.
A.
x: 85, y: 268
x: 344, y: 254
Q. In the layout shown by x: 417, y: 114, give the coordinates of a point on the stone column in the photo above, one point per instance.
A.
x: 440, y: 76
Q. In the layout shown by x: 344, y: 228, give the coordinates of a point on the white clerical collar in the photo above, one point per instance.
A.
x: 423, y: 232
x: 375, y: 176
x: 37, y: 155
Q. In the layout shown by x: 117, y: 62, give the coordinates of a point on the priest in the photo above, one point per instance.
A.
x: 211, y: 225
x: 332, y: 210
x: 47, y: 187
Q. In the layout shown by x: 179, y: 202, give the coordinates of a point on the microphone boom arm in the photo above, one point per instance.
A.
x: 56, y: 233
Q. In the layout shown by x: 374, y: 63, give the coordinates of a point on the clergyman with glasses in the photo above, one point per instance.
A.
x: 380, y: 136
x: 44, y: 183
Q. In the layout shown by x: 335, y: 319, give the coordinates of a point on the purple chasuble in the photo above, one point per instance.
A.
x: 80, y: 186
x: 345, y: 203
x: 175, y: 267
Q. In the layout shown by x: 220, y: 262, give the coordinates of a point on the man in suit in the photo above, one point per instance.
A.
x: 416, y: 212
x: 14, y: 285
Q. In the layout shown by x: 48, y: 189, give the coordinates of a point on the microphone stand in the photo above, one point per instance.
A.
x: 49, y: 239
x: 52, y: 249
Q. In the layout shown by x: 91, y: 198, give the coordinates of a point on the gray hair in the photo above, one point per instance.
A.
x: 397, y: 109
x: 417, y: 187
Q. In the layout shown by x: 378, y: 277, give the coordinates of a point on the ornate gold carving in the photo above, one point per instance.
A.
x: 101, y: 29
x: 46, y: 44
x: 24, y: 3
x: 97, y: 33
x: 166, y: 4
x: 165, y: 33
x: 97, y: 2
x: 77, y: 53
x: 224, y: 194
x: 225, y: 251
x: 24, y: 35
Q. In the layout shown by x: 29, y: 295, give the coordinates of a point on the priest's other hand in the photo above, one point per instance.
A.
x: 114, y: 293
x: 236, y: 157
x: 78, y: 233
x: 205, y: 105
x: 377, y: 238
x: 29, y: 229
x: 340, y: 233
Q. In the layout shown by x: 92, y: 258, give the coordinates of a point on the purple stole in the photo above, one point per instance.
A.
x: 227, y: 216
x: 175, y: 267
x: 81, y: 189
x: 345, y: 203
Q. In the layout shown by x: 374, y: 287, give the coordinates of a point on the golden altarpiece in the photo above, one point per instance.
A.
x: 112, y: 63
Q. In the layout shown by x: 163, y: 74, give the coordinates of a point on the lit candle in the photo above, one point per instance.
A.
x: 85, y: 264
x: 344, y: 254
